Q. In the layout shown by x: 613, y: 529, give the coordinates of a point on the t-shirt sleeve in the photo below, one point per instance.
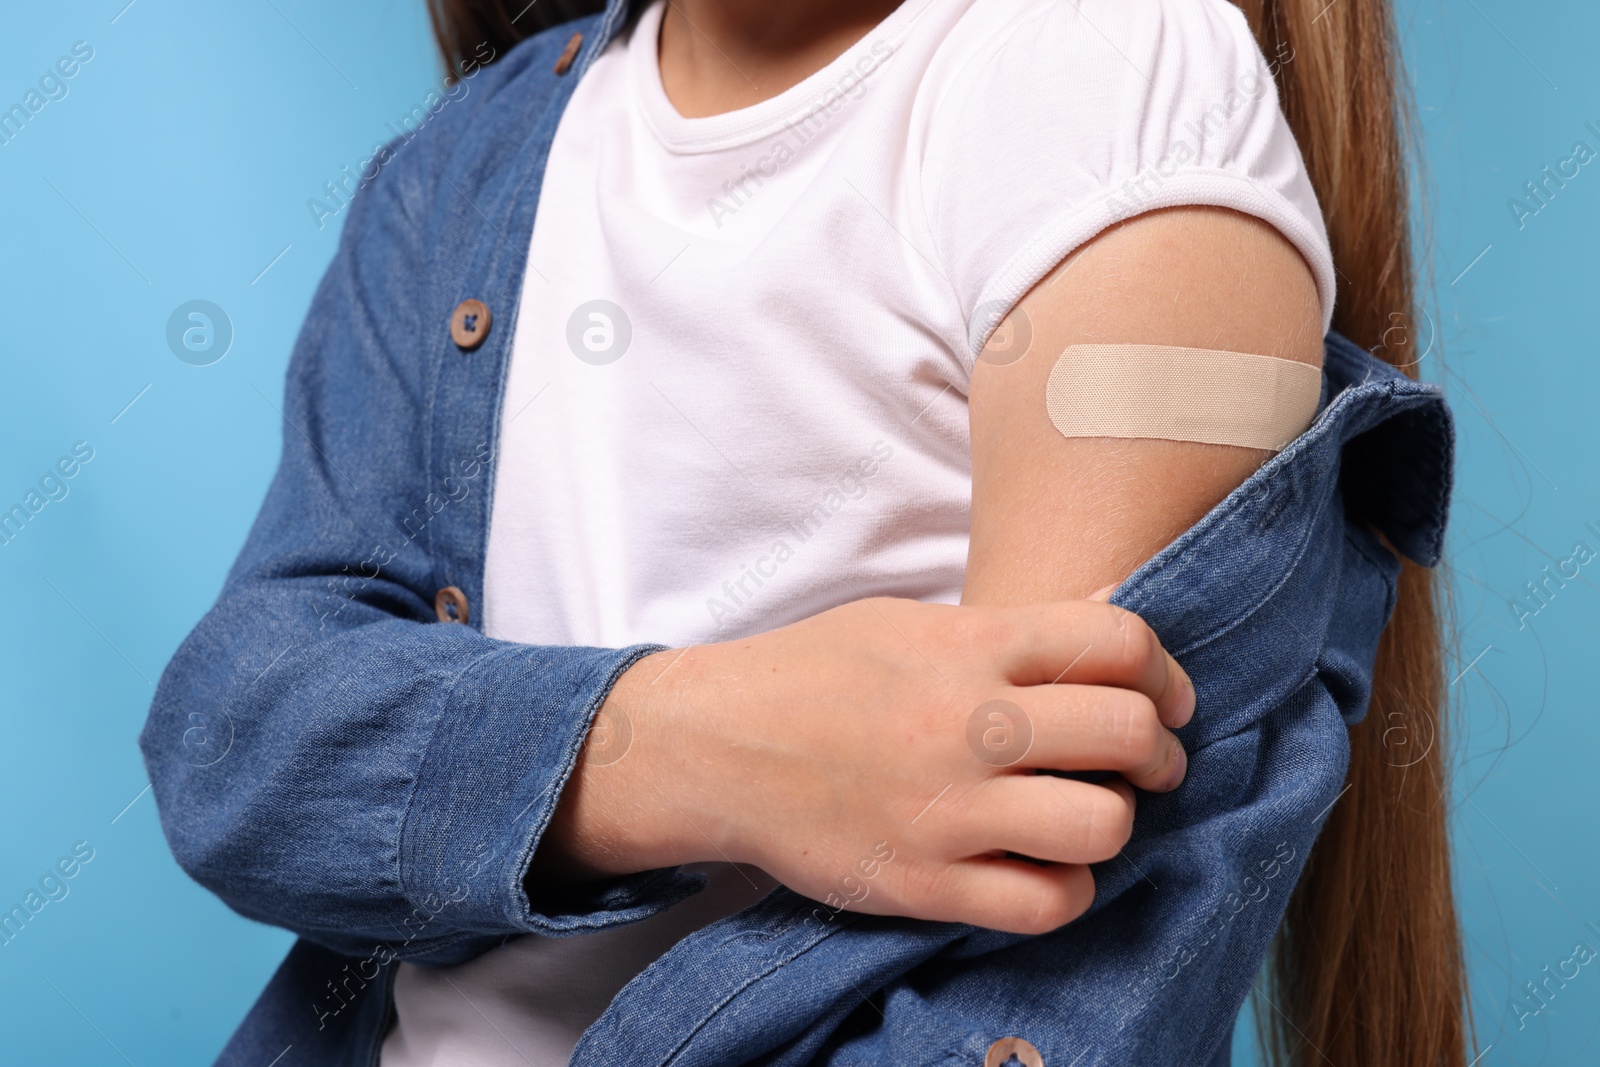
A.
x: 1073, y: 115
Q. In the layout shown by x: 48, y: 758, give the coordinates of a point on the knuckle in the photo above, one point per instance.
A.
x: 1051, y: 908
x: 1137, y: 644
x: 1091, y: 843
x: 1062, y: 901
x: 912, y: 890
x: 1119, y: 821
x: 1124, y: 636
x: 1107, y: 826
x: 995, y: 630
x: 974, y: 631
x: 924, y: 884
x: 1149, y: 645
x: 1139, y: 734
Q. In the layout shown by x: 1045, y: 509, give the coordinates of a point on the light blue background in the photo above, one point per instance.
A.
x: 178, y: 167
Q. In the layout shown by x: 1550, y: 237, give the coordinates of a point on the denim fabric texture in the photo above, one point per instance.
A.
x: 378, y: 780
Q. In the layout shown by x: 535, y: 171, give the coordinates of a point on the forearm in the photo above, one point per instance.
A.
x: 381, y: 781
x: 327, y: 754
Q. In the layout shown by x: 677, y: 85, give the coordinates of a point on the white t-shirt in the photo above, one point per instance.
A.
x: 738, y: 384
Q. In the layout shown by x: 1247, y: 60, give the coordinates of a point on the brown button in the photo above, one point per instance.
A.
x: 1009, y: 1048
x: 469, y: 324
x: 569, y: 53
x: 450, y: 604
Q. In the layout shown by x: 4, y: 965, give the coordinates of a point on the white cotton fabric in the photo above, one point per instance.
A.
x: 803, y: 286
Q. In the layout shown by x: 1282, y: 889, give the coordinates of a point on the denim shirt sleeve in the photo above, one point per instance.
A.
x: 327, y: 756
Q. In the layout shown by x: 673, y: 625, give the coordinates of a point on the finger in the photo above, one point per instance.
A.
x: 1082, y: 728
x: 1089, y: 643
x: 1058, y: 820
x: 1181, y: 708
x: 1007, y: 894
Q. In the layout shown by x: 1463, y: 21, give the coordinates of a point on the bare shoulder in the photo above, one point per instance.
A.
x: 1053, y: 516
x: 1200, y: 277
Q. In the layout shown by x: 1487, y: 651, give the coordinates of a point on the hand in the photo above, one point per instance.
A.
x: 816, y: 750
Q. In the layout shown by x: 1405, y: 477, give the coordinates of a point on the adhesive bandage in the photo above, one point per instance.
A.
x: 1182, y: 394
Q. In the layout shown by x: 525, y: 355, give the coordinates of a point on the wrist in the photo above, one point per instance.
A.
x: 641, y: 796
x: 666, y: 787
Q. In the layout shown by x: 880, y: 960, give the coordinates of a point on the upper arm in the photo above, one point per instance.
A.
x: 1056, y: 517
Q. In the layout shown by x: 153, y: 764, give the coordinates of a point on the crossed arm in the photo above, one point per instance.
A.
x: 799, y: 749
x: 796, y: 750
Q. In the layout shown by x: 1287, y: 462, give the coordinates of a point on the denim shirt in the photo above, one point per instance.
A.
x: 334, y: 752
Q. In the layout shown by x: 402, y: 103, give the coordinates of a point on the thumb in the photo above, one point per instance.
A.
x: 1103, y: 595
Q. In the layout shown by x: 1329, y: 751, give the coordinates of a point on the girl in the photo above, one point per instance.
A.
x: 678, y: 630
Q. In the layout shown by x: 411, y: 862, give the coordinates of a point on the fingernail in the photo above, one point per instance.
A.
x: 1180, y: 765
x: 1103, y: 595
x: 1186, y: 706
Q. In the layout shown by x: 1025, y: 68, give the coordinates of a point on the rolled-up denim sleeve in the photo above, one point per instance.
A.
x: 327, y: 755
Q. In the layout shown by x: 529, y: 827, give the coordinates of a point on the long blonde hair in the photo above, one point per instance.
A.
x: 1368, y: 965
